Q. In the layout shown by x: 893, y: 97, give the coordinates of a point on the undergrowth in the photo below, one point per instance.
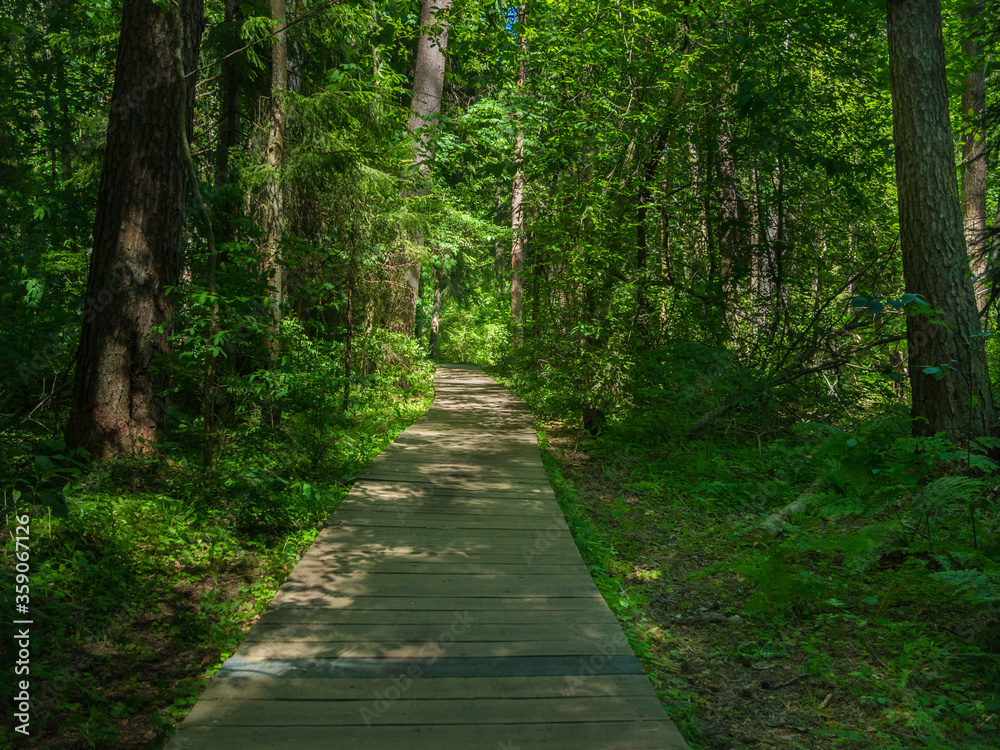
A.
x: 871, y: 621
x: 145, y: 574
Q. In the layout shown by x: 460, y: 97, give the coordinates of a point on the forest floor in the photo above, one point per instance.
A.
x: 152, y: 581
x: 154, y: 578
x: 757, y: 655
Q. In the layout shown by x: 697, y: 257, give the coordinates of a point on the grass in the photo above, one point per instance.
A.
x: 153, y: 577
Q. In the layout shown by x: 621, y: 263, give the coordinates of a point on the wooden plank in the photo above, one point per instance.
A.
x: 463, y: 628
x: 440, y: 617
x: 569, y: 567
x: 566, y: 666
x: 432, y: 649
x: 390, y: 491
x: 430, y: 585
x: 447, y: 505
x: 344, y: 713
x: 448, y: 539
x: 478, y: 435
x: 481, y: 584
x: 458, y: 458
x: 335, y: 554
x: 431, y: 467
x: 527, y: 552
x: 413, y: 687
x: 529, y: 603
x: 512, y: 484
x: 443, y: 520
x: 612, y: 735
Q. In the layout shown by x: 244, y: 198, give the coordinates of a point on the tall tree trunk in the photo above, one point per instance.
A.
x: 974, y: 162
x: 224, y: 176
x: 517, y: 191
x: 229, y: 110
x: 643, y: 199
x: 428, y: 90
x: 65, y: 124
x: 428, y: 79
x: 116, y: 405
x: 274, y: 203
x: 349, y: 342
x: 955, y: 396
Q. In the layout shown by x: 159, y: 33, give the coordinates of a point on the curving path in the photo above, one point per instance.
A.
x: 444, y: 606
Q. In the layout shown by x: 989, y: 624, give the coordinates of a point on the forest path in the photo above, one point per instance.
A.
x: 444, y: 606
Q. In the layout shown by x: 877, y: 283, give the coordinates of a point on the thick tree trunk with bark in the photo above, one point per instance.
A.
x: 428, y: 78
x: 116, y: 405
x: 955, y: 397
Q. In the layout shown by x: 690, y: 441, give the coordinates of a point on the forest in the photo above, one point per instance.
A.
x: 737, y: 256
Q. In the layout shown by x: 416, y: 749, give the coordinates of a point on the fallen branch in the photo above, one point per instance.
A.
x: 764, y: 684
x: 771, y: 527
x: 800, y: 368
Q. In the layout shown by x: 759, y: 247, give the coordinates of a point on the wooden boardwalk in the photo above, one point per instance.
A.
x: 444, y: 606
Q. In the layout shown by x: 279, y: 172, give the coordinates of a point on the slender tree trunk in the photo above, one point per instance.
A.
x: 65, y: 125
x: 974, y: 163
x: 349, y: 343
x: 273, y: 205
x: 955, y: 396
x: 517, y: 192
x: 228, y: 133
x: 229, y: 114
x: 435, y: 315
x: 643, y: 199
x: 116, y: 405
x: 537, y: 267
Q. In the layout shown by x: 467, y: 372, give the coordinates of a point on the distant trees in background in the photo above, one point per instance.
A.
x: 671, y: 205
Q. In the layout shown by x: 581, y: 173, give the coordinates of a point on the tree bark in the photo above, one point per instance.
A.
x: 229, y: 114
x: 224, y: 176
x: 643, y: 200
x: 274, y: 203
x: 349, y: 341
x: 974, y: 164
x: 124, y: 352
x: 955, y: 396
x: 428, y: 78
x: 517, y: 193
x: 428, y: 90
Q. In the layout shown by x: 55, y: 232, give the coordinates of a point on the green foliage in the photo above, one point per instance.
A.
x: 476, y: 333
x: 149, y: 560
